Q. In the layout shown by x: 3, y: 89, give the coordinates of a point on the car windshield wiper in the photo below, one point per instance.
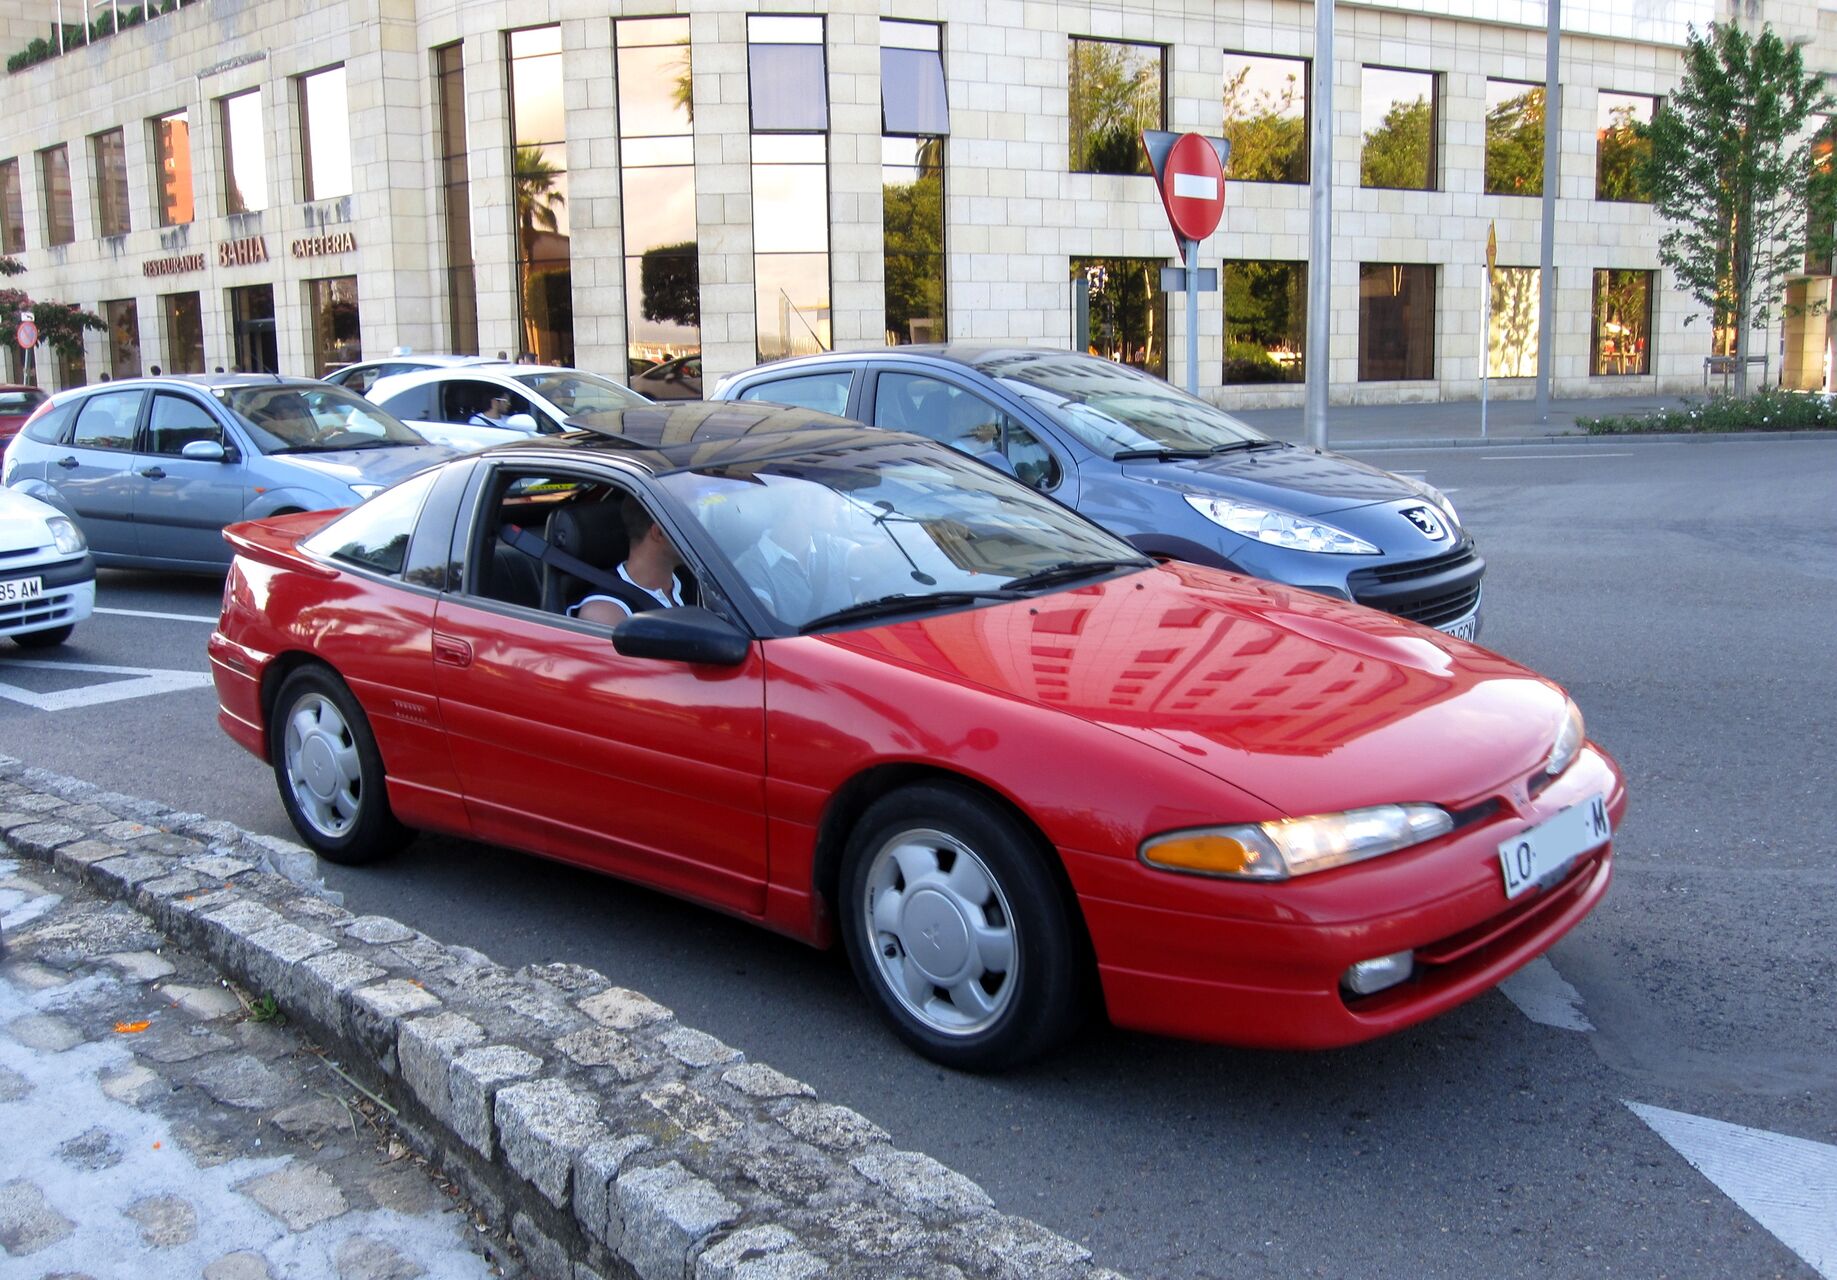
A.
x: 1245, y: 446
x: 899, y: 602
x: 1159, y: 455
x: 1069, y: 570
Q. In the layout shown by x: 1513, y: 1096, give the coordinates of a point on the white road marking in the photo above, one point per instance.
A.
x: 1786, y: 1184
x: 150, y: 613
x: 1546, y: 457
x: 1543, y: 996
x: 144, y: 682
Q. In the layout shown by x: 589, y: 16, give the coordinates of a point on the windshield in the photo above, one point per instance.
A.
x: 1114, y: 409
x: 316, y: 419
x: 572, y: 391
x: 896, y: 523
x: 16, y: 402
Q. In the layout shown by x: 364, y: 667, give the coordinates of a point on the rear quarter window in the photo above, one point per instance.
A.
x: 375, y: 536
x: 50, y: 428
x: 827, y: 392
x: 416, y: 404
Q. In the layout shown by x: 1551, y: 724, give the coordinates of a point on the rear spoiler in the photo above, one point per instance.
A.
x: 276, y: 540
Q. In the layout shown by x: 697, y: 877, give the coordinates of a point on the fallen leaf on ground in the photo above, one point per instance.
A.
x: 131, y: 1028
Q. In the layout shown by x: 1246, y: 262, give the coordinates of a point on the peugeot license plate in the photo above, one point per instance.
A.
x: 18, y: 589
x: 1462, y: 628
x: 1543, y: 852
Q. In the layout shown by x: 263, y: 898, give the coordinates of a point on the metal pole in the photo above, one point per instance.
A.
x: 1546, y: 275
x: 60, y: 26
x: 1320, y: 229
x: 1192, y: 317
x: 1486, y: 344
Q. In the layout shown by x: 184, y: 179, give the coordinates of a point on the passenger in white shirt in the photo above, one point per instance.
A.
x: 650, y: 565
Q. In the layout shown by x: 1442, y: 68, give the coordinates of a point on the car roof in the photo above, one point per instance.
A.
x: 986, y: 359
x: 680, y: 434
x: 199, y: 382
x: 22, y: 386
x: 427, y: 359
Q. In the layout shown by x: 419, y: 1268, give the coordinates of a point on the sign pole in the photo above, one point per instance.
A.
x: 1486, y: 318
x: 1191, y: 255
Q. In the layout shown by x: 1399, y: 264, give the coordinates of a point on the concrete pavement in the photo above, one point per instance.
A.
x: 1451, y: 422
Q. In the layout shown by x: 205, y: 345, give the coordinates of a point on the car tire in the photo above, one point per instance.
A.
x: 329, y: 772
x: 45, y: 639
x: 957, y: 929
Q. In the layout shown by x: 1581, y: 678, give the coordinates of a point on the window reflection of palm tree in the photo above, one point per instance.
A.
x: 539, y: 202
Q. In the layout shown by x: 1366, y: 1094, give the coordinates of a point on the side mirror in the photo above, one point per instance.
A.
x: 204, y: 451
x: 522, y: 422
x: 690, y: 634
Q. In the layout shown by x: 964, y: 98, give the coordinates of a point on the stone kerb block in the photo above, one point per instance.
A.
x: 623, y: 1009
x: 542, y: 1126
x: 758, y: 1253
x: 831, y: 1127
x: 472, y: 1086
x: 376, y: 1012
x: 76, y: 859
x: 923, y: 1185
x: 426, y: 1049
x: 322, y: 986
x: 596, y: 1169
x: 270, y: 955
x: 119, y: 877
x: 999, y: 1244
x: 222, y: 933
x: 667, y: 1212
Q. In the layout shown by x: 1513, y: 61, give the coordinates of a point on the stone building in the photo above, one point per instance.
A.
x: 670, y: 191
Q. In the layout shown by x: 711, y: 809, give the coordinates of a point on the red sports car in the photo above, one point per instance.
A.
x: 848, y: 682
x: 16, y: 405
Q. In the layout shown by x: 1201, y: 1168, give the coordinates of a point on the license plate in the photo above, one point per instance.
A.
x: 1462, y: 628
x: 18, y: 589
x: 1542, y: 853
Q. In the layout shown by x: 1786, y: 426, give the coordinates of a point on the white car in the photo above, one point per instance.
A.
x: 362, y: 376
x: 449, y: 405
x: 47, y: 578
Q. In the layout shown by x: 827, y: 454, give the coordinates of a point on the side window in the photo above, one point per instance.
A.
x: 177, y: 421
x: 106, y: 420
x: 375, y: 535
x: 1033, y: 462
x: 416, y: 404
x: 50, y: 428
x: 966, y: 422
x: 465, y: 400
x: 826, y: 392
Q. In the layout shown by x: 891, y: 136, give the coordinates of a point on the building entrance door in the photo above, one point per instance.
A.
x: 252, y: 321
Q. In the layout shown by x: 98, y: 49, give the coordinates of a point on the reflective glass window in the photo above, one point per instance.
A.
x: 790, y: 188
x: 109, y: 153
x: 245, y: 153
x: 184, y: 320
x: 657, y: 175
x: 456, y: 191
x: 1116, y: 90
x: 172, y: 155
x: 122, y: 316
x: 1266, y: 311
x: 337, y: 332
x: 1128, y: 311
x: 912, y: 93
x: 912, y: 210
x: 107, y: 420
x: 788, y: 82
x: 1622, y: 145
x: 1266, y: 118
x: 252, y: 333
x: 539, y: 176
x: 1514, y: 138
x: 12, y: 209
x: 1396, y: 322
x: 1397, y: 121
x: 177, y: 421
x: 325, y: 127
x: 824, y: 392
x: 54, y: 183
x: 375, y: 534
x: 1511, y: 333
x: 1622, y: 324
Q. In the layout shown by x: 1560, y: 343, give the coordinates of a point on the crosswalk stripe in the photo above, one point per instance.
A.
x: 1543, y: 996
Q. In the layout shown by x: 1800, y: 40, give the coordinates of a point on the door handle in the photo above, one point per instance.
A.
x: 153, y: 473
x: 67, y: 463
x: 452, y: 652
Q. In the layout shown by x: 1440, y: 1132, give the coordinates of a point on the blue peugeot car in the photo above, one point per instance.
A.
x: 152, y: 469
x: 1176, y: 476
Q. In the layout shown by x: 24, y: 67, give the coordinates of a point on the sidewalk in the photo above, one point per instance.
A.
x: 1393, y: 425
x: 155, y: 1128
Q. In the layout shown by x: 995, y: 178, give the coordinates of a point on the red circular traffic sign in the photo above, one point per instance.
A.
x: 26, y: 334
x: 1193, y: 187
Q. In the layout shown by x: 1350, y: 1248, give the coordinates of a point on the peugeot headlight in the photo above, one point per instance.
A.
x: 1569, y: 740
x: 1279, y: 528
x: 1434, y: 495
x: 1296, y: 846
x: 368, y: 491
x: 66, y: 537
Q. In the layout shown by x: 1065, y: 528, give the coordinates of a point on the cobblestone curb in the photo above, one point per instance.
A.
x: 610, y: 1139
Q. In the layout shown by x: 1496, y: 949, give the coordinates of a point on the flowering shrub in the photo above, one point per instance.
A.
x: 1770, y: 409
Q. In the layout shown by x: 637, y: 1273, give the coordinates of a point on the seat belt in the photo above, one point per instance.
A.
x: 535, y: 546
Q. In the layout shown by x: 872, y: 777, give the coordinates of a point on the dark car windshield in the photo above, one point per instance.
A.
x: 572, y: 391
x: 15, y: 403
x: 906, y: 525
x: 1114, y: 409
x: 315, y: 419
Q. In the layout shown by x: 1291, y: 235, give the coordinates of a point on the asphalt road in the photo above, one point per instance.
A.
x: 1685, y: 593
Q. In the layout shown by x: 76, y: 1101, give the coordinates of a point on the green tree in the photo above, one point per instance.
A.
x: 1268, y: 131
x: 1621, y: 152
x: 1731, y: 172
x: 1515, y: 145
x: 11, y: 266
x: 914, y: 218
x: 60, y: 325
x: 1397, y: 152
x: 1115, y: 94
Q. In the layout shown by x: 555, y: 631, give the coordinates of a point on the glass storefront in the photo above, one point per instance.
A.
x: 331, y: 306
x: 252, y: 334
x: 122, y: 316
x: 184, y: 316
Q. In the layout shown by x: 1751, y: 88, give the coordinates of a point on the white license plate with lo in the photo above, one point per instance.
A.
x: 21, y: 589
x: 1462, y: 628
x: 1544, y: 851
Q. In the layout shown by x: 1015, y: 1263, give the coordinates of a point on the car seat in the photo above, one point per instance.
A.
x: 590, y: 531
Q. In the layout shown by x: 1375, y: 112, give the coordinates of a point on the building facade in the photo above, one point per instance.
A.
x: 671, y: 192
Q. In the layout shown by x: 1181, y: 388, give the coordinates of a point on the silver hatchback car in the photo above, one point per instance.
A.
x: 152, y: 469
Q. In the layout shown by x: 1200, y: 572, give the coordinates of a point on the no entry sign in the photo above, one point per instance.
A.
x: 1190, y: 174
x: 26, y: 334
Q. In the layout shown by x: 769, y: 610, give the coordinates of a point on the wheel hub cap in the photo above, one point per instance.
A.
x: 937, y: 936
x: 319, y: 767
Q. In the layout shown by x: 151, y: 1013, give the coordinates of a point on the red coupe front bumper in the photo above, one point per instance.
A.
x: 1260, y: 964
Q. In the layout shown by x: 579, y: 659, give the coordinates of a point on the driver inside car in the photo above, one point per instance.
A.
x: 650, y: 565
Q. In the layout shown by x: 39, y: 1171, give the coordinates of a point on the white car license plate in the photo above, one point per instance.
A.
x: 1544, y: 851
x: 21, y: 589
x: 1462, y: 628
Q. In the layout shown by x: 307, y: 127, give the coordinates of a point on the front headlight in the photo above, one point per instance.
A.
x: 368, y: 491
x: 1279, y: 528
x: 1434, y: 495
x: 66, y: 537
x: 1569, y: 740
x: 1296, y: 846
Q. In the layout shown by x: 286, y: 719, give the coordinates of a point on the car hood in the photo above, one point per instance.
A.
x: 371, y: 466
x: 1290, y: 479
x: 22, y: 521
x: 1311, y: 704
